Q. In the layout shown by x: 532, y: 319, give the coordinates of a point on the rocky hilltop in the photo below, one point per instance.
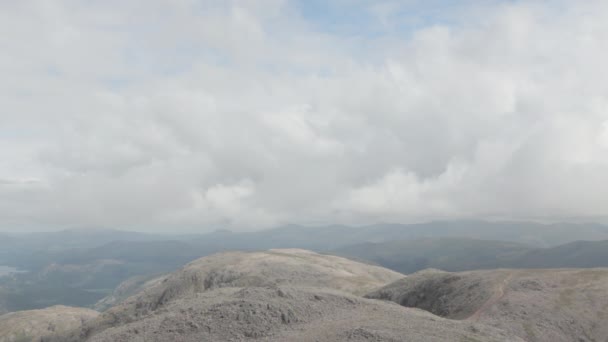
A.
x: 32, y: 325
x: 278, y: 295
x: 126, y: 289
x: 284, y: 314
x: 289, y: 267
x: 537, y: 305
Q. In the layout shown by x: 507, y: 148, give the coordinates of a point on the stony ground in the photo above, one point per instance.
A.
x: 288, y: 314
x: 30, y: 326
x: 289, y: 267
x: 126, y: 289
x: 537, y: 305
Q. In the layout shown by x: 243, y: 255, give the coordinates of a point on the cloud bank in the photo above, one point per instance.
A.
x: 193, y: 115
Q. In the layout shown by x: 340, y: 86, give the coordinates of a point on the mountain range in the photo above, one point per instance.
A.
x: 82, y: 267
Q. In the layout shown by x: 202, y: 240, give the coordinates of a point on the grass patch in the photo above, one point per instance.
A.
x: 529, y: 332
x: 22, y: 337
x: 565, y: 298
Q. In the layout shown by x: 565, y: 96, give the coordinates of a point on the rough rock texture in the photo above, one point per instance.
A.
x: 274, y: 267
x: 451, y: 295
x: 279, y: 295
x: 286, y: 314
x: 32, y: 325
x: 126, y: 289
x: 537, y: 305
x: 288, y: 267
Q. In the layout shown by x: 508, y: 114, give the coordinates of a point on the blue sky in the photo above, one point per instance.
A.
x: 366, y: 17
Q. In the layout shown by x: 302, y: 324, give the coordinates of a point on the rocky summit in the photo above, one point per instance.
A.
x: 557, y: 305
x: 33, y: 325
x: 278, y: 295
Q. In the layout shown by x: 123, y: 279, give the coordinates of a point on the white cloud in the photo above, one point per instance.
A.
x: 197, y: 114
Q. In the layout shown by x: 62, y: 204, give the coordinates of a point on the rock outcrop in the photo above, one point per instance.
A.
x: 33, y: 325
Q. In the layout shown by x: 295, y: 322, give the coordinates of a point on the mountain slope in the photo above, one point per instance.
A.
x: 574, y: 254
x: 278, y: 295
x: 461, y: 254
x: 450, y: 254
x: 274, y: 267
x: 538, y: 305
x: 34, y: 324
x: 289, y: 314
x: 83, y: 276
x: 323, y: 238
x: 126, y: 289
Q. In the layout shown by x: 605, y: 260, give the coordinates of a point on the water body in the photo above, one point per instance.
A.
x: 6, y: 270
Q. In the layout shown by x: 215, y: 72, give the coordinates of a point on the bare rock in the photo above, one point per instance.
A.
x: 33, y: 325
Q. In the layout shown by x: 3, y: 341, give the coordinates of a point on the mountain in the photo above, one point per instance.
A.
x: 79, y: 267
x: 31, y: 251
x: 77, y: 238
x: 458, y: 254
x: 31, y: 326
x: 83, y: 276
x: 537, y: 305
x: 277, y: 295
x: 323, y: 238
x: 155, y: 251
x: 313, y: 237
x: 290, y: 267
x: 575, y: 254
x: 450, y: 254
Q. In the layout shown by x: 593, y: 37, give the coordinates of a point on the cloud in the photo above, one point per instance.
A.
x: 193, y: 115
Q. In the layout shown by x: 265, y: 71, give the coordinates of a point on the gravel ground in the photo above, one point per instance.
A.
x: 291, y: 314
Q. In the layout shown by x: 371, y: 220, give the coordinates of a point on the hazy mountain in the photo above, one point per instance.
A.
x: 450, y: 254
x: 81, y: 267
x: 33, y: 250
x: 457, y: 254
x: 83, y: 276
x: 537, y: 305
x: 158, y: 251
x: 573, y: 254
x: 77, y: 238
x: 336, y: 236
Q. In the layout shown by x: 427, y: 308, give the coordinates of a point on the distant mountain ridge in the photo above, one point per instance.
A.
x: 336, y: 236
x: 79, y: 267
x: 458, y: 254
x: 324, y: 237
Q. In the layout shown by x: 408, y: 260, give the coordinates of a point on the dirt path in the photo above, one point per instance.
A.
x: 498, y: 295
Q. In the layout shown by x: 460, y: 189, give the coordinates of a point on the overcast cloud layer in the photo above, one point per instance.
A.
x: 192, y: 115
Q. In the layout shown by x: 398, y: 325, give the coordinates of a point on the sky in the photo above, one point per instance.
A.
x: 194, y: 115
